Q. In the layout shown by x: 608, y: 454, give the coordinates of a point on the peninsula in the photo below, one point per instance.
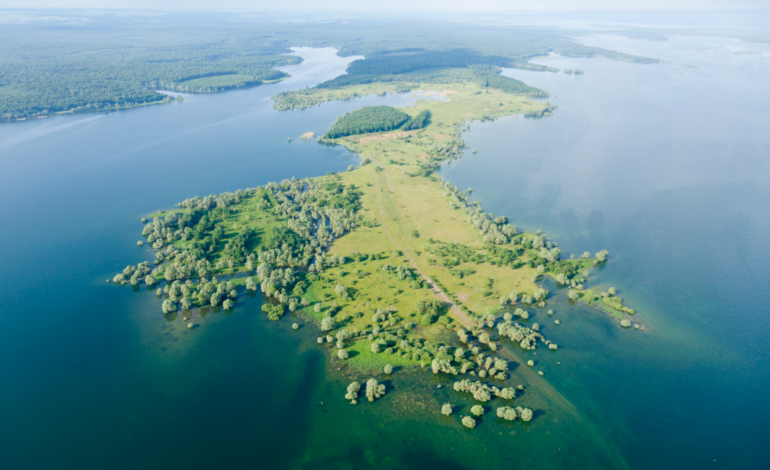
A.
x: 393, y: 265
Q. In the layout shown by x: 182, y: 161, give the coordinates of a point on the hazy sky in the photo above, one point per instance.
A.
x: 391, y: 5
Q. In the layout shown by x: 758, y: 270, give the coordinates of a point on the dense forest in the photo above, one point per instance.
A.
x: 366, y: 120
x: 54, y: 70
x: 404, y: 62
x: 90, y: 60
x: 418, y: 122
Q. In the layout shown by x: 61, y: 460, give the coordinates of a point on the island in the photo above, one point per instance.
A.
x: 394, y: 267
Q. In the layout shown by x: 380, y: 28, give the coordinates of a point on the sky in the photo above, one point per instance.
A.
x: 391, y: 5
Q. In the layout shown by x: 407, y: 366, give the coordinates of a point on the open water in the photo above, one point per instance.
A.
x: 665, y: 166
x: 668, y: 167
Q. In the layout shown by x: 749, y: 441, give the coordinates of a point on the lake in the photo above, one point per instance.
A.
x: 666, y: 166
x: 663, y: 165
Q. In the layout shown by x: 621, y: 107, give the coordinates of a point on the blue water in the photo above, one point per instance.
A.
x: 667, y: 167
x: 93, y: 376
x: 663, y: 165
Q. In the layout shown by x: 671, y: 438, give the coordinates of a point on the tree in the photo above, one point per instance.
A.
x: 317, y: 307
x: 477, y: 410
x: 374, y: 389
x: 602, y: 256
x: 342, y: 354
x: 227, y: 304
x: 469, y: 422
x: 482, y: 395
x: 341, y: 290
x: 388, y: 369
x: 343, y: 335
x: 168, y: 306
x: 525, y: 413
x: 327, y: 323
x: 353, y: 390
x: 375, y: 348
x: 446, y: 409
x: 507, y: 413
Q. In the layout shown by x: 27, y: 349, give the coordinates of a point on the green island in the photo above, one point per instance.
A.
x: 396, y: 268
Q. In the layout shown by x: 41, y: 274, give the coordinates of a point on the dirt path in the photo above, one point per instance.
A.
x: 461, y: 316
x: 378, y: 190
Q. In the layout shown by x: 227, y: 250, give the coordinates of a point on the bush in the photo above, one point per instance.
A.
x: 274, y: 312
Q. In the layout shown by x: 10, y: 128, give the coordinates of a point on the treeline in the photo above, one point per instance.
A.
x: 384, y: 64
x: 511, y: 85
x: 449, y: 75
x: 256, y: 77
x: 53, y: 71
x: 418, y: 122
x: 367, y: 120
x: 110, y: 61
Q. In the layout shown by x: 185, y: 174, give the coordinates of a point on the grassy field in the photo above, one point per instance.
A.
x: 402, y: 204
x: 404, y: 213
x: 405, y: 219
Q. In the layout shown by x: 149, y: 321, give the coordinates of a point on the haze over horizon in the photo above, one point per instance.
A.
x: 394, y: 6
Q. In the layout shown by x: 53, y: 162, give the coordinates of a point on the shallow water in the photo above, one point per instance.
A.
x: 95, y: 376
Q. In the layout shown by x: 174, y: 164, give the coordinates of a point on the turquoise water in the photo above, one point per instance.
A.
x: 94, y: 376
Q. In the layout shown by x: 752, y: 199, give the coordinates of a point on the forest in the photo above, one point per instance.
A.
x: 367, y: 120
x: 108, y: 61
